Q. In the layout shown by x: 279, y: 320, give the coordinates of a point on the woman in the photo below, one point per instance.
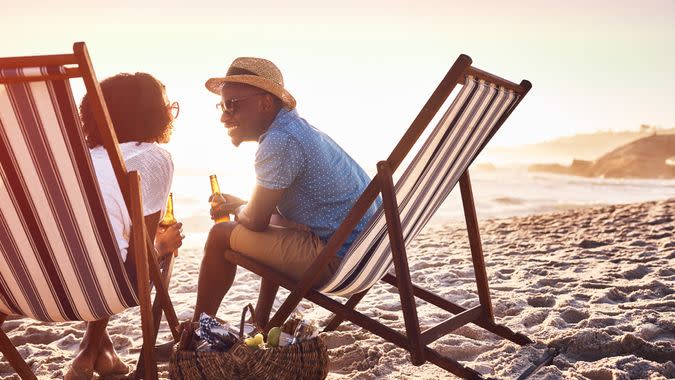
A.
x: 143, y: 118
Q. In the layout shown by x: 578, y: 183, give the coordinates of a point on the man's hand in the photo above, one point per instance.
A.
x: 168, y: 239
x: 224, y: 204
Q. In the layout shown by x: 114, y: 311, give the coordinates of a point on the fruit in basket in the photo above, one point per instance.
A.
x: 251, y: 342
x: 255, y: 341
x: 273, y: 336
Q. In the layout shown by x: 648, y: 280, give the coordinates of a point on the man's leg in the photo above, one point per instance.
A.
x: 288, y: 250
x: 266, y: 296
x: 216, y: 274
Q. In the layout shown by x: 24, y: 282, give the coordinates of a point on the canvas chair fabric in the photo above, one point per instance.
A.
x: 59, y: 260
x: 480, y: 107
x: 426, y: 182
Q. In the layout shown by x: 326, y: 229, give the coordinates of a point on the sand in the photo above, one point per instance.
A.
x: 597, y: 284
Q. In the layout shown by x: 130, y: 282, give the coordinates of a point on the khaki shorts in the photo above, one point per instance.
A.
x: 287, y: 250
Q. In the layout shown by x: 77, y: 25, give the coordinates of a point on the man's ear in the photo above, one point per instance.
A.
x: 271, y: 103
x: 267, y: 102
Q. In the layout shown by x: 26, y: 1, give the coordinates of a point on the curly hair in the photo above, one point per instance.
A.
x: 136, y: 106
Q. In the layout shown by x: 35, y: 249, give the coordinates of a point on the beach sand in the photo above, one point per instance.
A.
x: 596, y: 283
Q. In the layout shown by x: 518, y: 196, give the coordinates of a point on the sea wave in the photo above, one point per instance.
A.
x: 500, y: 193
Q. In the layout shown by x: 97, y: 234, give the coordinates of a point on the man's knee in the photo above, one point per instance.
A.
x: 219, y: 237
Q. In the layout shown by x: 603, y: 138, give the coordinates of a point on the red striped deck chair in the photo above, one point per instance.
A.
x: 59, y: 259
x: 481, y: 106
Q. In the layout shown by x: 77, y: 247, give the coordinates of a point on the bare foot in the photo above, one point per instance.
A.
x: 109, y: 364
x: 81, y: 368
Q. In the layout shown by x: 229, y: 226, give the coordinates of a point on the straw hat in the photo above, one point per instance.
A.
x: 257, y: 72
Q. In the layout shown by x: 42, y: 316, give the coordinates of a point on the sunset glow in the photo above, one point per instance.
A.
x: 362, y: 70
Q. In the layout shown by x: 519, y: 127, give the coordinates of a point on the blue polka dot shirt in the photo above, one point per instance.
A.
x: 321, y: 181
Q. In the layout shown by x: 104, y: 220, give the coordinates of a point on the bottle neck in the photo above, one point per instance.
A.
x: 168, y: 218
x: 215, y: 188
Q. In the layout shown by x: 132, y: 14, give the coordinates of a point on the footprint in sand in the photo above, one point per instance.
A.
x: 636, y: 273
x: 591, y: 244
x: 547, y: 282
x: 663, y: 235
x: 599, y: 322
x: 661, y: 273
x: 541, y: 301
x: 613, y: 295
x: 571, y: 315
x: 40, y: 336
x: 660, y: 221
x: 638, y: 243
x: 582, y: 297
x: 337, y: 339
x: 425, y: 264
x: 534, y: 318
x: 595, y: 285
x: 506, y: 271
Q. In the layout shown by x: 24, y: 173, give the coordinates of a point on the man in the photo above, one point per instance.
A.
x: 305, y: 186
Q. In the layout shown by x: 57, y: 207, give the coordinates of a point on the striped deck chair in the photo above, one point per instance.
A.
x: 472, y: 118
x: 59, y: 259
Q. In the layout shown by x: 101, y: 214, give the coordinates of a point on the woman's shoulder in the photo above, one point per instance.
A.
x: 133, y: 149
x: 147, y: 157
x: 156, y: 149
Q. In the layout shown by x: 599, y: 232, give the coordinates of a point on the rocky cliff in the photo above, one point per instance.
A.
x: 649, y: 157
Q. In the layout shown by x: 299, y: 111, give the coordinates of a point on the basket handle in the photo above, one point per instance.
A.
x: 186, y: 330
x: 249, y: 308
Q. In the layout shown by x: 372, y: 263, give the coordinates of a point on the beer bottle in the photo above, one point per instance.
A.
x: 168, y: 219
x: 215, y: 191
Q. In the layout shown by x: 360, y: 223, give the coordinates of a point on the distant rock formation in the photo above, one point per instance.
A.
x: 587, y: 146
x: 649, y: 157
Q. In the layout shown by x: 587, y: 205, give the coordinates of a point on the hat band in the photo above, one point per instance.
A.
x: 239, y: 71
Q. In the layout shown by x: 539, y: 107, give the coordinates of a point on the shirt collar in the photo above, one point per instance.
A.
x: 284, y: 116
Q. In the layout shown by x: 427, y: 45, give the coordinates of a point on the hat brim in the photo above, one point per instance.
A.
x: 216, y: 84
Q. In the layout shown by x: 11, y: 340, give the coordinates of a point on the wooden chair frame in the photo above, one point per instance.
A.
x: 78, y: 65
x: 414, y: 340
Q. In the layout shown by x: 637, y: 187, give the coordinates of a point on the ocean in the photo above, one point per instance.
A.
x: 498, y: 193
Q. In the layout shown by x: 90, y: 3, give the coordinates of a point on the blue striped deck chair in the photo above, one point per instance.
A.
x: 480, y: 107
x: 59, y: 259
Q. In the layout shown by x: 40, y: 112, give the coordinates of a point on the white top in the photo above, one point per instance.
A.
x: 155, y: 166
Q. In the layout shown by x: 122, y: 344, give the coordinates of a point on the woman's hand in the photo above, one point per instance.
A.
x: 168, y: 239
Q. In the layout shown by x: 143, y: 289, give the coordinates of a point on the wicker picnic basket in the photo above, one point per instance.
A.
x: 307, y: 359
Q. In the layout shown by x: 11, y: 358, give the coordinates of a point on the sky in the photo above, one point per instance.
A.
x: 361, y: 70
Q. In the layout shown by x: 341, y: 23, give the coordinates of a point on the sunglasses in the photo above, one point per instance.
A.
x: 174, y: 108
x: 230, y: 104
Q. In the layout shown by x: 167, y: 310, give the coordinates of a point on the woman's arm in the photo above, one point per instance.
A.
x: 168, y: 239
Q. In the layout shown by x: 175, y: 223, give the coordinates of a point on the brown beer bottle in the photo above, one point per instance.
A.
x: 215, y: 191
x: 168, y: 219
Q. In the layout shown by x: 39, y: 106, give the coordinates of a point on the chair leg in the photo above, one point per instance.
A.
x: 286, y: 308
x: 167, y: 269
x: 390, y: 335
x: 451, y: 365
x: 476, y: 247
x: 143, y: 258
x: 405, y: 290
x: 162, y: 292
x: 448, y: 306
x: 351, y: 304
x: 12, y: 355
